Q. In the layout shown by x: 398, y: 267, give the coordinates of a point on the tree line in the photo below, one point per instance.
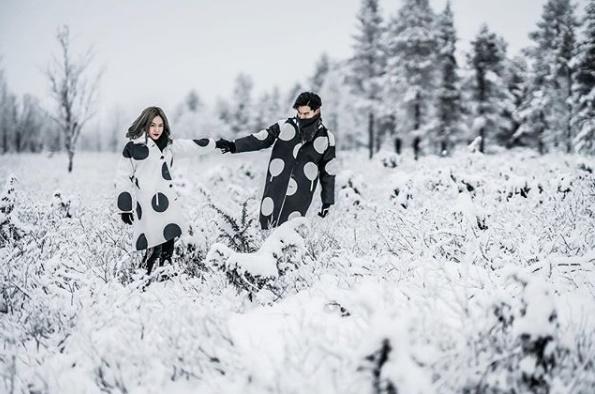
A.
x: 404, y: 86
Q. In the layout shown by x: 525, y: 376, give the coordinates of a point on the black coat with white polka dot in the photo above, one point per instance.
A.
x: 295, y: 167
x: 144, y: 187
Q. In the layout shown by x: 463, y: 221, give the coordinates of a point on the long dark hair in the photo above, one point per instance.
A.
x: 142, y: 123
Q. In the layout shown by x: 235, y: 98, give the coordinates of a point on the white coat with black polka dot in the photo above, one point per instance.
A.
x: 145, y: 188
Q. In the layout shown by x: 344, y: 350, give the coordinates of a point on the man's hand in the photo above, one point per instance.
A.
x: 324, y: 210
x: 127, y: 217
x: 225, y: 145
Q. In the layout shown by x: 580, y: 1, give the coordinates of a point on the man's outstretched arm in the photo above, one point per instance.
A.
x: 253, y: 142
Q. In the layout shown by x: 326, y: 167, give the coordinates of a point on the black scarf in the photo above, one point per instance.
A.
x: 308, y: 127
x: 162, y: 141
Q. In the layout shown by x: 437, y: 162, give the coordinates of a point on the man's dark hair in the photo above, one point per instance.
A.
x: 310, y: 99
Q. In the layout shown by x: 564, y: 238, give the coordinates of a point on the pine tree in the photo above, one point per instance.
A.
x: 292, y: 94
x: 320, y: 71
x: 583, y: 120
x: 268, y: 109
x: 449, y: 95
x: 491, y: 97
x: 8, y: 115
x: 241, y: 118
x: 341, y: 115
x: 517, y: 83
x: 411, y: 68
x: 548, y: 108
x: 367, y: 63
x: 193, y: 101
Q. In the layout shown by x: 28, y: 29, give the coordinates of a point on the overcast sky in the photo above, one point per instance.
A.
x: 154, y: 52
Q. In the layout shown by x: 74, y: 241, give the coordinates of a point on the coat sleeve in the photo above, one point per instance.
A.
x: 327, y: 171
x: 124, y: 181
x: 257, y: 141
x: 190, y: 148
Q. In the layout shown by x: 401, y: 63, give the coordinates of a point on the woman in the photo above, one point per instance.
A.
x: 146, y: 195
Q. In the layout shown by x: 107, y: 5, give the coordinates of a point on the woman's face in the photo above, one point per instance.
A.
x: 156, y: 128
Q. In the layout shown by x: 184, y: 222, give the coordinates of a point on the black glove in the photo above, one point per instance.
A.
x: 324, y: 210
x: 225, y: 145
x: 127, y: 217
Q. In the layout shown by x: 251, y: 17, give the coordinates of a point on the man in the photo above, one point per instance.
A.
x: 303, y: 152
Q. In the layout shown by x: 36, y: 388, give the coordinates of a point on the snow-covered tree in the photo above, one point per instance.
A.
x: 30, y: 123
x: 194, y: 119
x: 491, y: 98
x: 8, y: 114
x: 340, y: 112
x: 583, y: 120
x: 368, y: 63
x: 193, y: 101
x: 548, y: 107
x: 516, y: 76
x: 268, y: 109
x: 411, y: 69
x: 320, y: 71
x: 241, y: 116
x: 292, y: 94
x: 73, y: 90
x: 449, y: 94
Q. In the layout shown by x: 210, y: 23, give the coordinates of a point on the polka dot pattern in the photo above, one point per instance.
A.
x: 165, y: 172
x: 292, y: 187
x: 139, y: 211
x: 141, y: 242
x: 125, y: 202
x: 294, y: 214
x: 126, y: 152
x: 159, y: 202
x: 287, y: 132
x: 276, y: 166
x: 267, y: 206
x: 310, y: 170
x: 320, y: 144
x: 331, y: 167
x: 261, y: 135
x: 296, y: 150
x: 202, y: 142
x: 331, y: 139
x: 171, y: 231
x: 136, y: 151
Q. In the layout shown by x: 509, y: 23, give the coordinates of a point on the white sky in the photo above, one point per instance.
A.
x: 154, y: 52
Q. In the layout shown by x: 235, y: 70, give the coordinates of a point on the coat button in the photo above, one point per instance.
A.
x: 170, y: 185
x: 162, y: 157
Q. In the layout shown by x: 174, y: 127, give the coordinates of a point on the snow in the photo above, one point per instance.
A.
x: 453, y: 306
x: 262, y: 263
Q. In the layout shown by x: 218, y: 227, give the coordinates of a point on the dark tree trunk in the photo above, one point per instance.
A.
x: 444, y: 147
x: 70, y: 160
x: 398, y: 144
x: 371, y: 134
x: 416, y: 142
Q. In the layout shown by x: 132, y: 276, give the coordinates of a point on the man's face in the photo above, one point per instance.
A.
x: 305, y: 112
x: 156, y: 128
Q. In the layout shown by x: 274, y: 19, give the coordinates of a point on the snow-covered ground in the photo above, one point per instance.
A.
x: 471, y: 274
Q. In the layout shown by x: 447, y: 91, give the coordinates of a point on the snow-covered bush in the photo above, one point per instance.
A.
x: 388, y: 159
x: 449, y: 306
x: 9, y: 229
x: 282, y: 251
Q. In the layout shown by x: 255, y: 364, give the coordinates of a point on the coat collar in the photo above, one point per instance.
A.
x: 311, y: 136
x: 145, y: 140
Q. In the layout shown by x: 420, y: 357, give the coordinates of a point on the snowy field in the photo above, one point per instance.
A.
x: 472, y: 274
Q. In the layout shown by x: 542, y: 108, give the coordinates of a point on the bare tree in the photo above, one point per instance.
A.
x: 73, y: 90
